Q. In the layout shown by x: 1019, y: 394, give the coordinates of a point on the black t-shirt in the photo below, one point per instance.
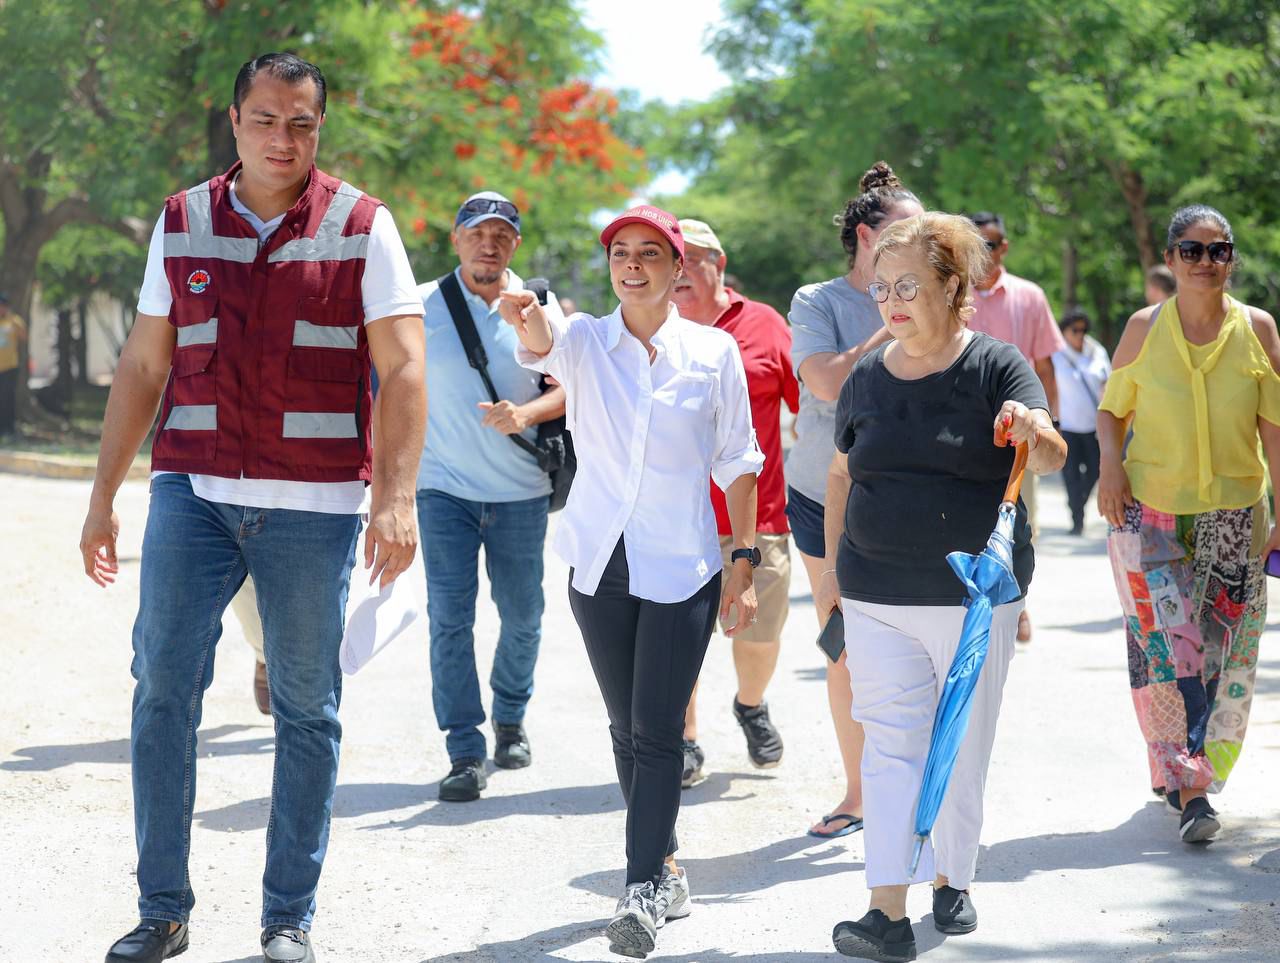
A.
x: 927, y: 479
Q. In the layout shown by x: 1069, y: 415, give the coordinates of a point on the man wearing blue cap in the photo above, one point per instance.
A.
x: 476, y: 488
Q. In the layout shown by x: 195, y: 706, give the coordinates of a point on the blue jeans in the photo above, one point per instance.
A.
x: 195, y: 555
x: 512, y: 533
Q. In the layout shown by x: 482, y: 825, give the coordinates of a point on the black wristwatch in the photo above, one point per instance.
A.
x: 752, y: 555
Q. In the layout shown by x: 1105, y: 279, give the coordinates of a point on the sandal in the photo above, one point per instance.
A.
x: 855, y: 824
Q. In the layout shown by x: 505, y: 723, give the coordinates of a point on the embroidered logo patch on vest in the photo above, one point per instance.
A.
x: 198, y: 281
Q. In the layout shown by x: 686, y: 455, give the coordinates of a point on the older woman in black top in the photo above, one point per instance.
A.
x: 920, y: 471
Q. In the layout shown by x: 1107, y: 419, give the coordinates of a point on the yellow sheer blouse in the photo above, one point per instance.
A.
x: 1195, y: 415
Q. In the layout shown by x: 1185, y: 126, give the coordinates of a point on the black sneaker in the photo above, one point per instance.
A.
x: 149, y: 942
x: 694, y: 757
x: 1199, y: 821
x: 633, y: 931
x: 464, y: 782
x: 953, y: 910
x: 286, y: 944
x: 511, y: 746
x: 876, y: 937
x: 764, y: 743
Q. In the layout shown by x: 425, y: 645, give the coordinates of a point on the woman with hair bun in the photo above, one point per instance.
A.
x: 1195, y: 376
x: 924, y: 427
x: 833, y: 323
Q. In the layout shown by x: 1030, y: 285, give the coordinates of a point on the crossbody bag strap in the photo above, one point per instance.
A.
x: 476, y: 356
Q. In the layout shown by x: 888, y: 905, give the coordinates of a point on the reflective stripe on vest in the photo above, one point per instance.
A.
x: 329, y: 244
x: 319, y: 424
x: 308, y: 335
x: 206, y: 333
x: 200, y: 241
x: 192, y: 418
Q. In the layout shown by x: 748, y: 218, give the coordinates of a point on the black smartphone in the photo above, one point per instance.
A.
x: 831, y: 638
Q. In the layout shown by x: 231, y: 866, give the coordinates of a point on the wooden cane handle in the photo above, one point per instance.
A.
x: 1015, y: 476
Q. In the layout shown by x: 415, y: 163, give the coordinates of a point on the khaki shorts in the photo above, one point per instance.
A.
x: 773, y: 587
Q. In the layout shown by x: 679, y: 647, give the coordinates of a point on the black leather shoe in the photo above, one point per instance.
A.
x: 953, y: 910
x: 511, y: 748
x: 464, y: 782
x: 286, y: 944
x: 149, y: 942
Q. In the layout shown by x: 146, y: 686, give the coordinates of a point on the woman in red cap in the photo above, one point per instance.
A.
x: 655, y: 403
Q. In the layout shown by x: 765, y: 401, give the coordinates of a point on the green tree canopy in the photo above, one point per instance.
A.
x: 1084, y: 124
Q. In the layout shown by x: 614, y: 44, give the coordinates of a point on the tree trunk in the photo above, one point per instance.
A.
x: 221, y: 140
x: 1070, y: 275
x: 1135, y: 198
x: 82, y: 342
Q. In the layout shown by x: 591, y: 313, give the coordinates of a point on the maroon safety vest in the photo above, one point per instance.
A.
x: 271, y: 366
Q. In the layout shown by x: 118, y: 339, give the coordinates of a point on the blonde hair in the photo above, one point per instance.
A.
x: 952, y: 246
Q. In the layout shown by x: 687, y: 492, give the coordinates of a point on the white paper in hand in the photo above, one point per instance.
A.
x: 375, y: 618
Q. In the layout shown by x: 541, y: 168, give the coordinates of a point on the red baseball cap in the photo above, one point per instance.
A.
x: 663, y: 222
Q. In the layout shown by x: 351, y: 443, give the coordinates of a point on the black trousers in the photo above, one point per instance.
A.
x: 8, y: 399
x: 646, y: 657
x: 1080, y: 472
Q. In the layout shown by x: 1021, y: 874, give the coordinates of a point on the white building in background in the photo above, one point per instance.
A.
x: 108, y: 322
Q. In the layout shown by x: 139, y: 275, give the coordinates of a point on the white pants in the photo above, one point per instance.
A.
x: 899, y: 656
x: 245, y: 606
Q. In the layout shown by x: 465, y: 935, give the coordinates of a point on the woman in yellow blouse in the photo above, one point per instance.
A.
x: 1196, y: 378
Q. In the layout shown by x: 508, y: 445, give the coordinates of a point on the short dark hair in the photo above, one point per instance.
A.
x: 288, y: 67
x: 1075, y: 316
x: 1162, y: 277
x: 987, y: 219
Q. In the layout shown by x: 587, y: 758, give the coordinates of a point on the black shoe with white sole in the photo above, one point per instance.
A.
x: 953, y: 910
x: 876, y: 937
x: 1199, y: 821
x: 633, y: 931
x: 694, y: 757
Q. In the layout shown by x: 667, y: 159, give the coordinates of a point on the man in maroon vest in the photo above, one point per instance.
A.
x: 269, y: 291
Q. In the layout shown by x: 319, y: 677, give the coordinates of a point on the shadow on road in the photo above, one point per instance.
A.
x: 718, y: 879
x: 352, y: 800
x: 210, y: 743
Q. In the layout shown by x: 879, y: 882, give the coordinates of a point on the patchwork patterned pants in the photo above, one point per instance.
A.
x: 1195, y: 601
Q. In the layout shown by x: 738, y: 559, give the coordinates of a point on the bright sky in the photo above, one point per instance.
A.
x: 658, y: 49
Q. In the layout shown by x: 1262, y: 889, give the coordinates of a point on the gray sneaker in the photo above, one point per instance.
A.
x: 673, y: 899
x: 634, y: 928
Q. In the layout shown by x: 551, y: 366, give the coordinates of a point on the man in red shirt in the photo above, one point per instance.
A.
x: 765, y: 343
x: 1016, y: 310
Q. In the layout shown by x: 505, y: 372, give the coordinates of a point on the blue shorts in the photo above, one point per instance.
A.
x: 806, y: 518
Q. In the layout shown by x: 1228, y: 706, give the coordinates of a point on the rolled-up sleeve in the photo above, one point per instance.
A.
x: 558, y: 361
x: 737, y: 452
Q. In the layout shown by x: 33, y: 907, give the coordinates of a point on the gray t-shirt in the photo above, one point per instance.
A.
x: 828, y: 317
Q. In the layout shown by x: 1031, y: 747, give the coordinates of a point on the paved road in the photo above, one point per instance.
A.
x: 1080, y: 862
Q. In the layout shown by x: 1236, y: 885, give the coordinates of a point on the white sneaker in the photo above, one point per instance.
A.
x: 633, y: 930
x: 673, y: 900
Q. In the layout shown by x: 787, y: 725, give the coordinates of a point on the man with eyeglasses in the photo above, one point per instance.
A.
x: 1016, y: 310
x: 764, y: 340
x: 1082, y: 369
x: 476, y: 488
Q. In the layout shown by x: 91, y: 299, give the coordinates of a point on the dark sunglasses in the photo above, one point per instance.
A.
x: 992, y: 245
x: 1220, y: 252
x: 485, y: 205
x: 1077, y: 329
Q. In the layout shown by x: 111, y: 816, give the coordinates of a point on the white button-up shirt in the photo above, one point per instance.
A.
x: 647, y: 436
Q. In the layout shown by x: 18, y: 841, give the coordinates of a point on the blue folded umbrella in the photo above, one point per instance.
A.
x: 988, y: 577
